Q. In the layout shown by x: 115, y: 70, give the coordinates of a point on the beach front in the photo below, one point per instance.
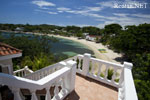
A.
x: 110, y: 55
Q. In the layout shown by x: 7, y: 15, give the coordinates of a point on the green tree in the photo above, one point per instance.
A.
x: 26, y: 61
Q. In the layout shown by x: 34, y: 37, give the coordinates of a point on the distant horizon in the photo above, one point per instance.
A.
x: 72, y: 25
x: 80, y: 13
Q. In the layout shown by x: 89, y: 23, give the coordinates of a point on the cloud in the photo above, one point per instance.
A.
x: 142, y: 15
x: 52, y: 12
x: 63, y: 9
x: 126, y: 19
x: 48, y: 12
x: 121, y: 14
x: 106, y: 4
x: 42, y: 3
x: 87, y: 11
x: 93, y: 8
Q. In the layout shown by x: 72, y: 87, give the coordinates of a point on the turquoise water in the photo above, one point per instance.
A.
x: 69, y: 47
x: 63, y: 46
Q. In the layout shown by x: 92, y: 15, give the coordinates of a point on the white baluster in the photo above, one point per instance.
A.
x: 93, y: 67
x: 86, y: 64
x: 63, y: 90
x: 48, y: 95
x: 25, y: 72
x: 121, y: 78
x: 114, y: 75
x: 99, y: 70
x: 39, y: 75
x: 49, y: 71
x: 33, y: 77
x: 79, y: 65
x: 56, y: 91
x: 53, y: 70
x: 33, y: 95
x: 21, y: 73
x: 16, y: 93
x: 106, y: 72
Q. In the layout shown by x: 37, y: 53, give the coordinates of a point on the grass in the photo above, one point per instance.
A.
x: 102, y: 50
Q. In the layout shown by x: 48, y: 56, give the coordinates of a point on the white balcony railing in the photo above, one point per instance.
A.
x: 60, y: 74
x: 23, y: 72
x: 117, y: 75
x: 64, y: 78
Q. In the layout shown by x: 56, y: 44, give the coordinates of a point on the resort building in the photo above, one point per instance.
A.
x: 78, y: 78
x: 92, y: 38
x: 19, y: 29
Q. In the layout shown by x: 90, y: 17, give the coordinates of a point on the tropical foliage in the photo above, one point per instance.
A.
x: 134, y: 43
x: 35, y: 49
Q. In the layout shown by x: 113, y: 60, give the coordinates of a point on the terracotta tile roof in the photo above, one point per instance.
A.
x: 8, y: 50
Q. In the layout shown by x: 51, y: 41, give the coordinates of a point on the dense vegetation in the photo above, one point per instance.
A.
x: 132, y: 41
x: 35, y: 50
x: 52, y: 29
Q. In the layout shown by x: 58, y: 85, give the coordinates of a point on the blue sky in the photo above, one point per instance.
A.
x: 74, y: 12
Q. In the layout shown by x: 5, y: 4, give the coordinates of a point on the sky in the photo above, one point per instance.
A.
x: 75, y: 12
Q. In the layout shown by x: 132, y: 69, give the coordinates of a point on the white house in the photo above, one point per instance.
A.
x: 19, y: 29
x: 6, y: 54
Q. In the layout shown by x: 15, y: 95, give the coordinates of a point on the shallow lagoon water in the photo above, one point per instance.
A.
x: 69, y: 47
x: 63, y: 46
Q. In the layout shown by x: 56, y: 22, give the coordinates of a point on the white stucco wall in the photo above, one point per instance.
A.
x: 7, y: 62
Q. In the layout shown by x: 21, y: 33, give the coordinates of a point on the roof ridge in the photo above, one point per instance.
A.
x: 6, y: 45
x: 6, y: 49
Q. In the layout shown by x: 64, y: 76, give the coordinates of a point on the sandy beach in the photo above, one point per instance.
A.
x: 109, y: 56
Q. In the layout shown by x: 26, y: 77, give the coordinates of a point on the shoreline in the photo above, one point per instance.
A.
x: 109, y: 56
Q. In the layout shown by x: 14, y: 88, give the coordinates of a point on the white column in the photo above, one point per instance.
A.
x: 121, y: 78
x: 86, y: 64
x: 70, y: 78
x: 48, y: 95
x: 63, y: 90
x: 129, y: 87
x: 16, y: 93
x: 25, y: 70
x: 33, y: 95
x: 56, y: 91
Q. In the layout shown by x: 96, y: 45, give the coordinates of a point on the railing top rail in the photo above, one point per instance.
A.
x: 31, y: 84
x: 107, y: 63
x: 80, y: 56
x: 74, y: 57
x: 43, y: 69
x: 18, y: 70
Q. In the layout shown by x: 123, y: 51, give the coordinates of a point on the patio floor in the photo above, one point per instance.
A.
x: 89, y: 89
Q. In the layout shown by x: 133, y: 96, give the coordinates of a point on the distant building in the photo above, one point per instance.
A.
x: 19, y: 29
x: 92, y: 38
x: 85, y: 34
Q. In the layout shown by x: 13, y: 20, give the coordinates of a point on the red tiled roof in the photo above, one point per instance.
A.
x: 8, y: 50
